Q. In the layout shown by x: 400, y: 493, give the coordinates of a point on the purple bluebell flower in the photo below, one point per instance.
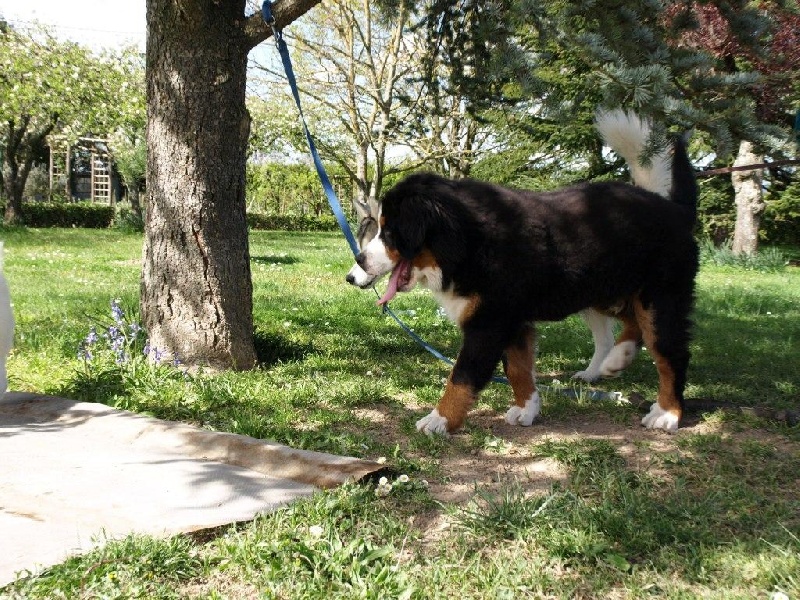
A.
x: 92, y: 337
x: 157, y: 355
x: 117, y: 312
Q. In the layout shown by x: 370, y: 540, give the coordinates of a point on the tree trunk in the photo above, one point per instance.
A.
x: 18, y: 156
x: 749, y: 201
x: 134, y: 198
x: 196, y: 290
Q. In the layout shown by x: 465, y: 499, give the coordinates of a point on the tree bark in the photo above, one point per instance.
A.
x: 196, y: 288
x: 749, y: 201
x: 196, y: 291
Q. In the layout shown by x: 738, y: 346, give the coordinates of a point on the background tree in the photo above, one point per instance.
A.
x: 774, y: 97
x: 46, y: 87
x: 196, y: 291
x: 632, y: 54
x: 352, y: 61
x: 371, y: 112
x: 127, y: 142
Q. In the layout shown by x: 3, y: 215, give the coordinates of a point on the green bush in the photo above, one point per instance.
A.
x: 274, y: 188
x: 58, y: 214
x: 128, y: 221
x: 292, y: 222
x: 780, y: 223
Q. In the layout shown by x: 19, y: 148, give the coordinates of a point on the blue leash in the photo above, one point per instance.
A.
x: 333, y: 200
x: 336, y: 207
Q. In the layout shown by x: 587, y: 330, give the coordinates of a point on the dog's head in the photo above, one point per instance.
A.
x: 415, y: 226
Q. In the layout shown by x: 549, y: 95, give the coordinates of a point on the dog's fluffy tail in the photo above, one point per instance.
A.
x: 627, y: 134
x: 670, y: 176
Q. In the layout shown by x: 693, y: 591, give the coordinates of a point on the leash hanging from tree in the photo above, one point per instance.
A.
x: 336, y: 208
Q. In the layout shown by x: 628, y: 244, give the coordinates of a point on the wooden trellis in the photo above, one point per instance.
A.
x: 61, y: 164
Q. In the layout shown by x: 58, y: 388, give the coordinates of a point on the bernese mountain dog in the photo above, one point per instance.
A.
x: 498, y: 260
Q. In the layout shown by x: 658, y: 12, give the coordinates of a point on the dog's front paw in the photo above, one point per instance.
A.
x: 658, y: 418
x: 433, y: 423
x: 619, y: 359
x: 517, y: 415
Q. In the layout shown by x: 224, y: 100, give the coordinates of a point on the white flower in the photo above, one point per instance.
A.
x: 315, y: 531
x: 403, y: 479
x: 383, y: 481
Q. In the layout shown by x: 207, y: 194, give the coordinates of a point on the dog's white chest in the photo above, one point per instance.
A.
x: 454, y: 306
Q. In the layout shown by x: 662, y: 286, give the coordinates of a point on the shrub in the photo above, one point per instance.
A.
x: 292, y: 222
x: 126, y: 220
x: 781, y: 220
x: 58, y: 214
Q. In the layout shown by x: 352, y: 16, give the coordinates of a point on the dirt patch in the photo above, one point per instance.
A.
x: 511, y: 456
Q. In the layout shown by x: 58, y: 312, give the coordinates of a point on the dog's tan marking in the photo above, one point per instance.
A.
x: 393, y: 254
x: 631, y: 332
x: 519, y: 368
x: 667, y: 398
x: 455, y: 403
x: 469, y: 309
x: 425, y: 259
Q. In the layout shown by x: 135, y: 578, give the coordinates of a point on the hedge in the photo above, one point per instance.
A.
x: 292, y: 222
x: 102, y: 216
x: 63, y: 214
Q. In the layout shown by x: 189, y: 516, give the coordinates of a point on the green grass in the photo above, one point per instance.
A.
x: 712, y: 511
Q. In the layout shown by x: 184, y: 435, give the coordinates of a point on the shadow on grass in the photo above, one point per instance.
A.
x: 272, y: 348
x: 278, y: 259
x: 711, y: 510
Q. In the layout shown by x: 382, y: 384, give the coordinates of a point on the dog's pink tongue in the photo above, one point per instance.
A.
x: 394, y: 281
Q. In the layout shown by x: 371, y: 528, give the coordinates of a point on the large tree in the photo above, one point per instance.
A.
x: 196, y: 289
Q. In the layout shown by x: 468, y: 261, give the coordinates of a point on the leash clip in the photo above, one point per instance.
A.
x: 269, y: 19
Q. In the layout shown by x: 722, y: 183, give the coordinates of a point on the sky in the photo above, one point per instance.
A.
x: 94, y: 23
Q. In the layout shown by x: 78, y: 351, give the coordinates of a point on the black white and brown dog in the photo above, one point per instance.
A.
x: 498, y: 260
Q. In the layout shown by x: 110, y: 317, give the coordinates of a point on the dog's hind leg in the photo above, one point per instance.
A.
x: 520, y: 370
x: 602, y: 328
x: 626, y: 348
x: 665, y: 328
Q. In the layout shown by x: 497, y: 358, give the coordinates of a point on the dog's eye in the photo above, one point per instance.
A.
x: 388, y: 238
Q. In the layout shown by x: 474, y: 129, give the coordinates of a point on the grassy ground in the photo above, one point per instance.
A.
x: 583, y: 504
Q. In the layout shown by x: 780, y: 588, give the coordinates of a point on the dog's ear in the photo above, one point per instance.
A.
x: 411, y: 226
x: 418, y: 213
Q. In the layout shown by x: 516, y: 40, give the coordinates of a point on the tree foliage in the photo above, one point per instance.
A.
x: 50, y: 87
x: 632, y: 53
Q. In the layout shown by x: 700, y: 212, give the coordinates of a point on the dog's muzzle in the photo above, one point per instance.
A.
x: 358, y: 276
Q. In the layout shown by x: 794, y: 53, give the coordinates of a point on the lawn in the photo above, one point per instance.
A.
x: 583, y: 504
